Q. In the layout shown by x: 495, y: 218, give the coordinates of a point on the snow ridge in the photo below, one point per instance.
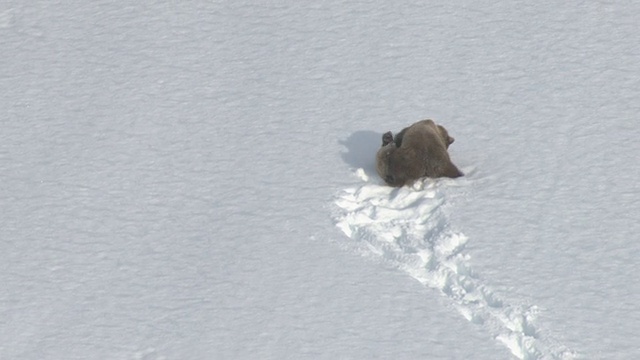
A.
x: 408, y: 228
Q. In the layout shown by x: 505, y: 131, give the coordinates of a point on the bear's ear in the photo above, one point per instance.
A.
x: 445, y: 135
x: 387, y: 138
x: 450, y: 140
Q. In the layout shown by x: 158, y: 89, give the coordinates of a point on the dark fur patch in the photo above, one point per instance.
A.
x: 417, y: 151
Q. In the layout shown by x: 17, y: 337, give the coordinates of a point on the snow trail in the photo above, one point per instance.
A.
x: 409, y: 229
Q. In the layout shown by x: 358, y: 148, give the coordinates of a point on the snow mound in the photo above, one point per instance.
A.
x: 408, y: 228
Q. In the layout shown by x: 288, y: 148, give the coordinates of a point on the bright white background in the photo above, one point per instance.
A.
x: 168, y: 172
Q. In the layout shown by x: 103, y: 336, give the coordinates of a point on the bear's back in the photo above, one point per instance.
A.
x: 417, y: 151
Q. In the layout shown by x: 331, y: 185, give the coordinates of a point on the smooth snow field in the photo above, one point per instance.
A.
x: 196, y: 180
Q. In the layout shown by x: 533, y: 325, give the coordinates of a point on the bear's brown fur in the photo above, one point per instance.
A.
x: 398, y: 138
x: 417, y: 151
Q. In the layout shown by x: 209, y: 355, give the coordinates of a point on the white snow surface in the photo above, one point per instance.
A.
x: 195, y: 180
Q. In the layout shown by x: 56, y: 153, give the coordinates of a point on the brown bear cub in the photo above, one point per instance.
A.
x: 417, y: 151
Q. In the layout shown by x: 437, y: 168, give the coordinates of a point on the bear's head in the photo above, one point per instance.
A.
x: 392, y: 169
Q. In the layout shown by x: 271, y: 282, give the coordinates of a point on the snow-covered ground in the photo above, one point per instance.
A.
x: 195, y: 180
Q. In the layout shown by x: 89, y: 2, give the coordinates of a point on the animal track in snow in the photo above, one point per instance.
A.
x: 409, y: 229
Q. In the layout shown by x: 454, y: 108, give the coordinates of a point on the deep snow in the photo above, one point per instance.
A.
x: 172, y: 175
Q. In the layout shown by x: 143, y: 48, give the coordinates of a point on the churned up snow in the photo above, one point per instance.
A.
x: 409, y: 228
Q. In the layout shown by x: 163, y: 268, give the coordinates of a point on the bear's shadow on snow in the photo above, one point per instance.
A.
x: 362, y: 147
